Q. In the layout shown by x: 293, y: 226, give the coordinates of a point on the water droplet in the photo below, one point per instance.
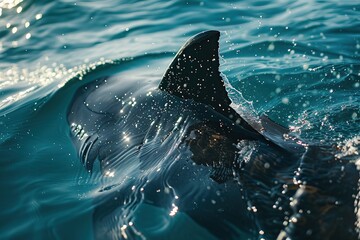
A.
x: 271, y: 47
x: 285, y: 100
x: 354, y: 116
x: 38, y: 16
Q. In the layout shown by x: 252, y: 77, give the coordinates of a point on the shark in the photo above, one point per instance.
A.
x: 176, y: 147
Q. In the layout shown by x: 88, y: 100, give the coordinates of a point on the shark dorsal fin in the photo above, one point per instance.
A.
x: 194, y: 74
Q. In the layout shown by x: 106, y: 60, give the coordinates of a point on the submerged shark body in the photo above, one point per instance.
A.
x: 181, y: 148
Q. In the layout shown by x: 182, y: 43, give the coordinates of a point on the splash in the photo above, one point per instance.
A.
x: 350, y: 148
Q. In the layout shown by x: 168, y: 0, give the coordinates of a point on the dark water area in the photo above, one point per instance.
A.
x: 296, y: 61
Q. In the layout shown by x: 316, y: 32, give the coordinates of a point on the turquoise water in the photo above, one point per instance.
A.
x: 296, y: 61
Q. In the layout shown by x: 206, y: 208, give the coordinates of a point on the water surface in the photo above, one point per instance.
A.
x: 296, y: 61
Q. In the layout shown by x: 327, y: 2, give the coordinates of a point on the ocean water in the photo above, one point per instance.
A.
x: 296, y: 61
